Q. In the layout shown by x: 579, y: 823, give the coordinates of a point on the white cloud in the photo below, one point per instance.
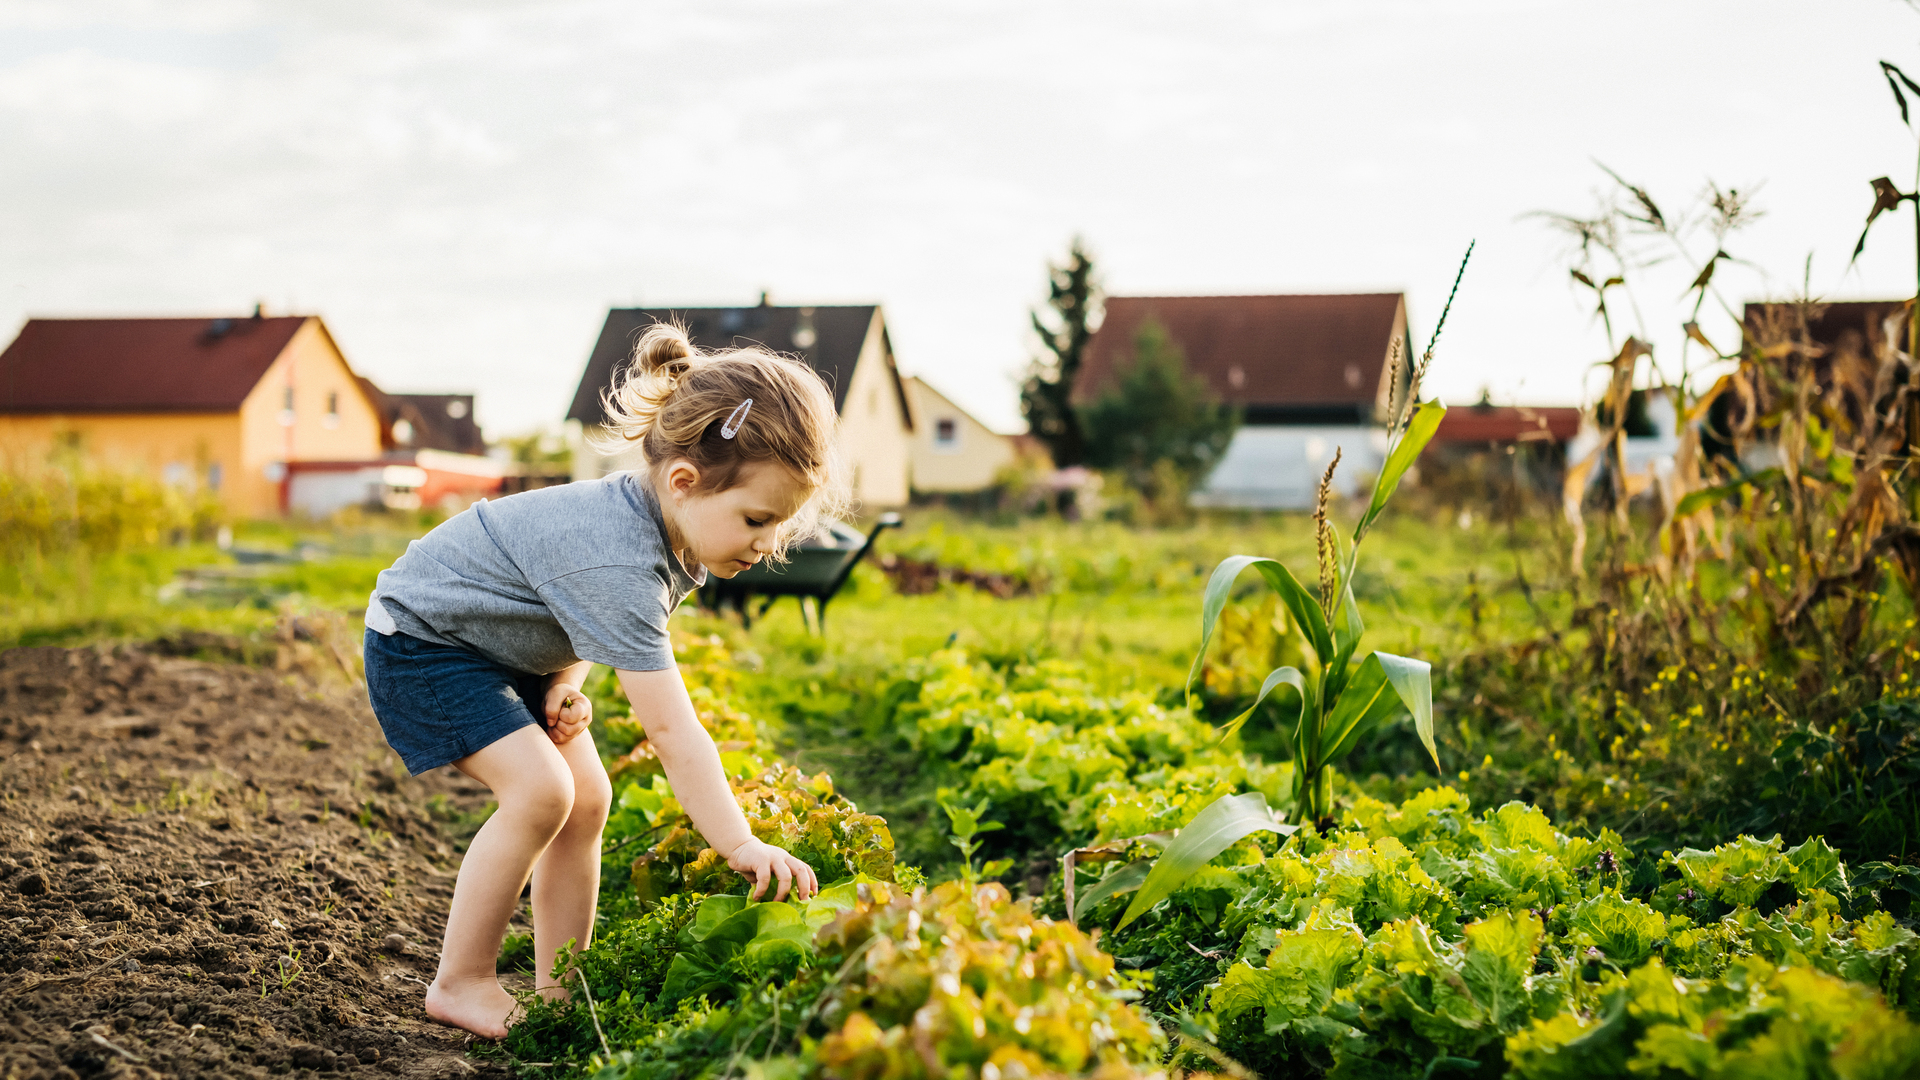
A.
x: 463, y: 188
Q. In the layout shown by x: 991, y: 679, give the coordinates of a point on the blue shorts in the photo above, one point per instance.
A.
x: 437, y: 703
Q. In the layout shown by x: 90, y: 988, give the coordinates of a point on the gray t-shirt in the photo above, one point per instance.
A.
x: 541, y: 580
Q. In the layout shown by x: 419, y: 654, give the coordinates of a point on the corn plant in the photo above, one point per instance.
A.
x: 1888, y: 197
x: 1342, y: 699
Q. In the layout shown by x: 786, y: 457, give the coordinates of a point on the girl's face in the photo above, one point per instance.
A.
x: 730, y: 530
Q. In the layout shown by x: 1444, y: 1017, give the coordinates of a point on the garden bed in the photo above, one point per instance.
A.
x: 209, y: 869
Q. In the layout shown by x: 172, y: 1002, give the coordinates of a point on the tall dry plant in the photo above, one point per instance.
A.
x: 1788, y: 506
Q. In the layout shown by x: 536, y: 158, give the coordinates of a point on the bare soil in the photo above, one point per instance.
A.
x: 214, y: 869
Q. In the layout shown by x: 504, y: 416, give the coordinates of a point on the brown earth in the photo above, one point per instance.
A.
x: 212, y: 869
x: 913, y: 577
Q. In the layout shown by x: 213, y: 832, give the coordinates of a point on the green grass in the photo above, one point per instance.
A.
x: 1115, y: 597
x: 79, y: 597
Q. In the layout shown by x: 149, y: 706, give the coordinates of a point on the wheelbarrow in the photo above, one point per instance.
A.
x: 814, y: 569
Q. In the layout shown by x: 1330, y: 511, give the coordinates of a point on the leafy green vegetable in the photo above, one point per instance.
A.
x: 1625, y: 930
x: 1760, y: 1022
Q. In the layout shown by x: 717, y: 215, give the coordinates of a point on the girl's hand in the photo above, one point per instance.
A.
x: 763, y: 862
x: 568, y: 712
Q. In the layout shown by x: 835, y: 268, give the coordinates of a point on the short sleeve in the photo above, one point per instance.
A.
x: 613, y: 615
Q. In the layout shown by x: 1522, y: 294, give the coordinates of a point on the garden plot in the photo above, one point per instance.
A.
x: 213, y: 870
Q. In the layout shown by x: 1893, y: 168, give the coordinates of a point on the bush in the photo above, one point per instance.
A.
x: 57, y: 512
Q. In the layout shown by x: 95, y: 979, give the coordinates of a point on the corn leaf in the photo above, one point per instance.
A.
x: 1125, y: 879
x: 1426, y: 421
x: 1346, y: 642
x: 1217, y: 828
x: 1705, y: 497
x: 1301, y: 604
x: 1290, y: 676
x: 1365, y: 704
x: 1413, y: 681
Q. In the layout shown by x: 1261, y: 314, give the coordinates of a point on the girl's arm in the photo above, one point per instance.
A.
x: 661, y: 704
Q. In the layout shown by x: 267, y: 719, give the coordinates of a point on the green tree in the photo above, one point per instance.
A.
x: 1160, y: 425
x: 1046, y: 398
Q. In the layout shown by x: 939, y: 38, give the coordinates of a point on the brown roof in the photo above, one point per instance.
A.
x: 431, y: 416
x: 1469, y: 424
x: 838, y: 333
x: 1302, y: 358
x: 1853, y: 328
x: 139, y: 365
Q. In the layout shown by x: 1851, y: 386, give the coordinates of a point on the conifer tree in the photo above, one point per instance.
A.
x: 1159, y: 424
x: 1046, y: 399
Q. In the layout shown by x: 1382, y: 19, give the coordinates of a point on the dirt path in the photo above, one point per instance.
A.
x: 215, y: 870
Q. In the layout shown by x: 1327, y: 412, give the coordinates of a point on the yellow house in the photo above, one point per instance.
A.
x: 847, y: 345
x: 952, y: 452
x: 222, y: 405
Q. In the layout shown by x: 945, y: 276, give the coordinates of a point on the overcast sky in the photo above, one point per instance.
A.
x: 463, y: 188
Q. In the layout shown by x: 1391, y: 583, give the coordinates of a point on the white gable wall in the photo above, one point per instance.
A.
x: 953, y: 452
x: 874, y: 434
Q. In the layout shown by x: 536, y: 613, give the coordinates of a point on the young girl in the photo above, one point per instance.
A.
x: 479, y: 636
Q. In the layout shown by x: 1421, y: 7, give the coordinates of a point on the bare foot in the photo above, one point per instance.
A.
x: 478, y: 1005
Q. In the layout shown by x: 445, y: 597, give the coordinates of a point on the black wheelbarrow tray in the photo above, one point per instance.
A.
x: 816, y: 568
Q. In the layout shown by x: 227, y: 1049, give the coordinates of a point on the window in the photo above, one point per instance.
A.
x: 213, y: 477
x: 946, y: 435
x: 286, y: 407
x: 333, y: 409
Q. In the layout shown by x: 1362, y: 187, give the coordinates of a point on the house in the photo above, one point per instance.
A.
x: 952, y: 452
x: 1842, y: 345
x: 1529, y: 442
x: 438, y: 434
x: 1542, y: 431
x: 231, y: 406
x: 1310, y: 374
x: 847, y: 345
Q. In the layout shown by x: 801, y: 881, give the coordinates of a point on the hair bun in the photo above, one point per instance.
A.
x: 664, y: 352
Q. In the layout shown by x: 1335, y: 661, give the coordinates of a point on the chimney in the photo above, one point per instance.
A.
x: 764, y: 302
x: 259, y: 310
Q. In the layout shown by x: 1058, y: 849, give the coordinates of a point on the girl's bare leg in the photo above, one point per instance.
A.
x: 533, y: 784
x: 566, y: 880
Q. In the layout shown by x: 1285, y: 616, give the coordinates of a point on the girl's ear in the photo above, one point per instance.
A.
x: 682, y: 477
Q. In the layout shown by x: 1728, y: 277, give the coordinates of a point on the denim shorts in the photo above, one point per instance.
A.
x: 438, y: 703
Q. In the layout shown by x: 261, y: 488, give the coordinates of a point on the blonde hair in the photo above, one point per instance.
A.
x: 675, y: 400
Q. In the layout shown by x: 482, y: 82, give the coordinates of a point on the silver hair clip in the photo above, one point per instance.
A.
x: 731, y: 425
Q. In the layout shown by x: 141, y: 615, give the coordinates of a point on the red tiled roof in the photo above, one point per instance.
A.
x: 1468, y: 424
x: 139, y: 365
x: 1259, y: 351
